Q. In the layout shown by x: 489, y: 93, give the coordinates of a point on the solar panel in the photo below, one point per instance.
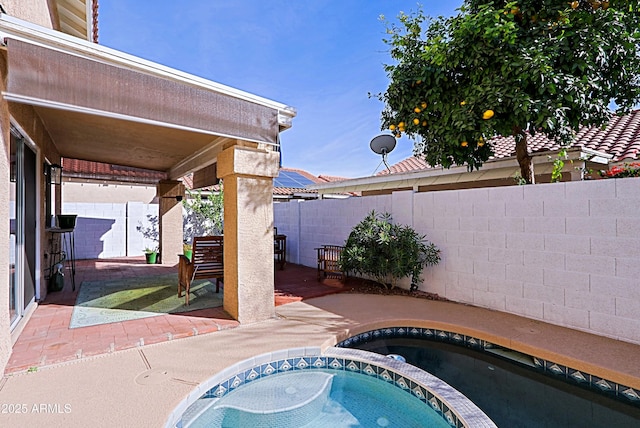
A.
x: 291, y: 179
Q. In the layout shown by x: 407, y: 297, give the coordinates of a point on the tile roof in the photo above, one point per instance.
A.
x: 108, y: 172
x: 621, y: 138
x: 280, y: 191
x: 330, y: 178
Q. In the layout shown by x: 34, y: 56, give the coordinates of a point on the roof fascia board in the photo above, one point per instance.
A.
x: 16, y: 28
x: 441, y: 175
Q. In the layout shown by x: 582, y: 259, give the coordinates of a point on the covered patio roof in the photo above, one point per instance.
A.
x: 103, y: 105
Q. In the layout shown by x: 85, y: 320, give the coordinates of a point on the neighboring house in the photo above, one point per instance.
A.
x: 142, y: 115
x: 594, y: 149
x: 290, y: 184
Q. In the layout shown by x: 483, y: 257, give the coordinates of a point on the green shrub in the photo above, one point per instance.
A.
x: 387, y: 252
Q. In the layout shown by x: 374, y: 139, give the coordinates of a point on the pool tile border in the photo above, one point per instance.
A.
x: 406, y: 377
x: 624, y: 393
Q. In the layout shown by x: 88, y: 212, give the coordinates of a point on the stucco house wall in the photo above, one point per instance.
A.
x: 563, y: 253
x: 35, y: 11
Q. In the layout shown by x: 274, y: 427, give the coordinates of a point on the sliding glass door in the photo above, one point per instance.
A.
x: 23, y: 226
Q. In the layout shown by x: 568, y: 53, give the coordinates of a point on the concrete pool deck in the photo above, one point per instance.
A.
x: 140, y: 387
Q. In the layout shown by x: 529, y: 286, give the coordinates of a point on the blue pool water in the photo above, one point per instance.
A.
x: 318, y: 398
x: 512, y: 395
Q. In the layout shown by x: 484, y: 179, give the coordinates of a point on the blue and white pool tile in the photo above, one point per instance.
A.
x: 250, y: 375
x: 442, y: 335
x: 419, y: 392
x: 285, y: 365
x: 579, y: 377
x: 630, y: 393
x: 386, y: 375
x: 556, y: 369
x: 369, y: 370
x: 267, y: 369
x: 435, y: 404
x: 457, y: 338
x: 353, y: 366
x: 336, y: 364
x: 402, y: 382
x: 237, y: 381
x: 301, y: 363
x: 604, y: 385
x: 319, y: 362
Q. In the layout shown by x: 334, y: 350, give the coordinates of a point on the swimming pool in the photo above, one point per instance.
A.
x: 337, y: 388
x: 510, y: 387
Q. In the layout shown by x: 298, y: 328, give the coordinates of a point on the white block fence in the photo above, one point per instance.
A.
x: 563, y: 253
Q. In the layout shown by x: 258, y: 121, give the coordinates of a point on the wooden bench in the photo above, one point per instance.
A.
x: 329, y: 262
x: 207, y: 262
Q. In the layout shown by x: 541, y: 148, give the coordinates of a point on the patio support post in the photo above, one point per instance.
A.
x: 170, y: 193
x: 248, y: 231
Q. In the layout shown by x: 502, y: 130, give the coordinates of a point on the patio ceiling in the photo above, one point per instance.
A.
x: 99, y: 104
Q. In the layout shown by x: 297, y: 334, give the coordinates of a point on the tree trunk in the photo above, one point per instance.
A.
x: 524, y: 160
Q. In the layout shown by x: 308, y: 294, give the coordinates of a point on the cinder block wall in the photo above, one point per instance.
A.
x: 564, y: 253
x: 105, y: 230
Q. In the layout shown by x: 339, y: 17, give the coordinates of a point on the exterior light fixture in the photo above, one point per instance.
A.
x: 53, y: 173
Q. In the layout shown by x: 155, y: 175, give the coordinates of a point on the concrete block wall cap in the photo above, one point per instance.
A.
x: 248, y: 161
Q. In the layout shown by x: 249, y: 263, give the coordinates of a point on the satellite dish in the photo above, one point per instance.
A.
x: 382, y: 145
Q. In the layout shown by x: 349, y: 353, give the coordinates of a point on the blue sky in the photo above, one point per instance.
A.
x: 322, y: 57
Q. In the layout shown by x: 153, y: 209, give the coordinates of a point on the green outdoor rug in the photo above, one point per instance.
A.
x: 103, y: 302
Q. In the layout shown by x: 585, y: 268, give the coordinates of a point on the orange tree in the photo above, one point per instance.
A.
x: 509, y: 68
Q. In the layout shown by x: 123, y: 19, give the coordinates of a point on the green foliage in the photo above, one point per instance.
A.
x: 386, y: 251
x: 558, y: 165
x: 150, y: 232
x: 204, y: 215
x: 540, y: 66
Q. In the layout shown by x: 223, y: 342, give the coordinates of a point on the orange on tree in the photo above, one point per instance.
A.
x: 392, y: 127
x: 464, y: 144
x: 488, y: 114
x: 417, y: 110
x: 416, y: 121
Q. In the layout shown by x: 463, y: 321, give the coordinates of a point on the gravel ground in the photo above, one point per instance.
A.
x: 364, y: 286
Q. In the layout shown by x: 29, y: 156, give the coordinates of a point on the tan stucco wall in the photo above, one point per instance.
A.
x: 170, y: 220
x: 35, y: 11
x: 248, y: 232
x: 106, y: 193
x: 5, y: 336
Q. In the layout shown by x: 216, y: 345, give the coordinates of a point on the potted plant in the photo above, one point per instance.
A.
x: 150, y: 233
x: 151, y: 254
x: 187, y: 250
x: 387, y: 252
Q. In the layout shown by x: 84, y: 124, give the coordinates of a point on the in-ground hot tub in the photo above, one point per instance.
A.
x: 340, y: 387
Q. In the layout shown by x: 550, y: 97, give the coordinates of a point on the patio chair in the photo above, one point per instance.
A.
x: 207, y: 262
x: 329, y: 262
x: 279, y: 248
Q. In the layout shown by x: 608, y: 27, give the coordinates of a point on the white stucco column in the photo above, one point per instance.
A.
x: 170, y: 195
x: 248, y: 232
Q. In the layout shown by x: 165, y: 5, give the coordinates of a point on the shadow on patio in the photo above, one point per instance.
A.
x: 47, y: 338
